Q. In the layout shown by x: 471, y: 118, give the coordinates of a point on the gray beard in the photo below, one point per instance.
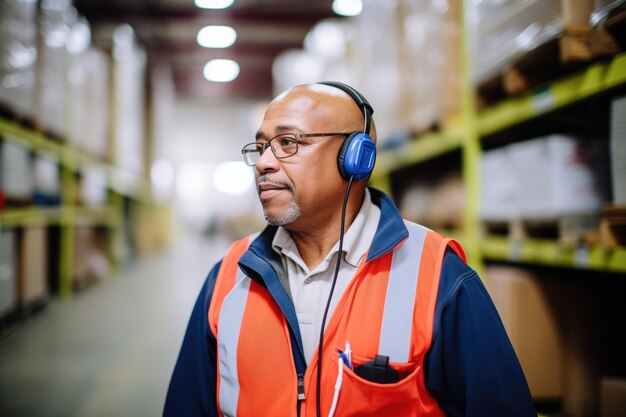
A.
x: 288, y: 216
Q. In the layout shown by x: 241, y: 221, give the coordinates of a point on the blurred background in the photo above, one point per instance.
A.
x: 501, y: 123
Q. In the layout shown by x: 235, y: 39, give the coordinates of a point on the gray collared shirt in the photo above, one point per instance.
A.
x: 310, y: 288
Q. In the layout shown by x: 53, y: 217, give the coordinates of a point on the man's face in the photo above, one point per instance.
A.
x: 302, y: 190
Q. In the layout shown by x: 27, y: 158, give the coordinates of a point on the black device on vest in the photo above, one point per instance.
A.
x: 357, y: 155
x: 378, y: 370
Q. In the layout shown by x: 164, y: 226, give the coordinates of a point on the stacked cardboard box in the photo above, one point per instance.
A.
x: 33, y: 258
x: 526, y: 307
x: 553, y: 327
x: 613, y: 393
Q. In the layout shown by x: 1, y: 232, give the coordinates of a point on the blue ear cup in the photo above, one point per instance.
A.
x: 357, y: 156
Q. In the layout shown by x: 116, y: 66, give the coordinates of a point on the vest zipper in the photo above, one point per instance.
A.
x: 301, y: 396
x: 301, y: 387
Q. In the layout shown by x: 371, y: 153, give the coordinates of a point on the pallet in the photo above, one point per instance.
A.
x: 569, y: 231
x: 613, y: 227
x: 610, y: 38
x: 553, y: 59
x: 13, y: 115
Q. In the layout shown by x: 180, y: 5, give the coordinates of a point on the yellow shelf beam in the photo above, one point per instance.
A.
x: 73, y: 160
x: 60, y: 216
x: 551, y: 253
x: 596, y: 78
x: 426, y: 147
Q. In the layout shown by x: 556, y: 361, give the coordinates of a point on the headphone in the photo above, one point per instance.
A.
x: 357, y: 155
x: 355, y: 160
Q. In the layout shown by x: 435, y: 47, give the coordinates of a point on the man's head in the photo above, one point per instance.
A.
x: 304, y: 190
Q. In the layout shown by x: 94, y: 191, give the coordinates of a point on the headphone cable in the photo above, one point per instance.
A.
x: 330, y: 297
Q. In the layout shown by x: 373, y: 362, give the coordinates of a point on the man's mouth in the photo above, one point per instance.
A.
x: 270, y: 189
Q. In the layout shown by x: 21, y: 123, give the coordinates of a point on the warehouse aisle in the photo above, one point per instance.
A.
x: 110, y: 350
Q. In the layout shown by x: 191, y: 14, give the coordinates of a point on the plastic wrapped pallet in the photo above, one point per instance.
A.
x: 545, y: 178
x: 502, y: 30
x: 560, y: 175
x: 618, y: 149
x: 432, y: 72
x: 46, y: 180
x: 18, y: 56
x: 129, y: 73
x: 77, y: 49
x: 97, y: 85
x: 93, y: 186
x: 16, y: 173
x: 8, y: 272
x: 56, y: 20
x: 378, y: 49
x: 499, y: 186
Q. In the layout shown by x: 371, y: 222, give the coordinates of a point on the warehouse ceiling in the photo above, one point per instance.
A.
x: 167, y: 29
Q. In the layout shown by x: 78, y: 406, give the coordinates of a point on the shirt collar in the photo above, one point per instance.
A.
x: 356, y: 240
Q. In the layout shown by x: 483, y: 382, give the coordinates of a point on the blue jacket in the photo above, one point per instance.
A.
x: 471, y: 368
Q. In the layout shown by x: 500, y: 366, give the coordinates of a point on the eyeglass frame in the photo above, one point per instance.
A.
x: 296, y: 135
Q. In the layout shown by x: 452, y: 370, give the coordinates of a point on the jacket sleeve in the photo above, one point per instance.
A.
x: 471, y: 367
x: 192, y: 389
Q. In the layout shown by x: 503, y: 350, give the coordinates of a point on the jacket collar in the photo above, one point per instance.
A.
x: 260, y: 261
x: 389, y: 233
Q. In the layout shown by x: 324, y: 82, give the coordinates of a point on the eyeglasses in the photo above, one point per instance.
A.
x: 282, y: 146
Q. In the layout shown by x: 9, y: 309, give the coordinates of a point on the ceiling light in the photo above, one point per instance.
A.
x: 216, y: 36
x: 347, y: 7
x: 214, y: 4
x: 328, y: 38
x: 221, y: 70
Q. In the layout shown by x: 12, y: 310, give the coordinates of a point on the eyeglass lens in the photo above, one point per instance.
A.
x: 282, y: 146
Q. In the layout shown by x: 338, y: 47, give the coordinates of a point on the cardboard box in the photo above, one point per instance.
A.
x: 613, y: 394
x: 91, y: 263
x: 32, y: 281
x: 526, y: 305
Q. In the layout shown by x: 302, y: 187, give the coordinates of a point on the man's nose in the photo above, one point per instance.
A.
x: 267, y: 162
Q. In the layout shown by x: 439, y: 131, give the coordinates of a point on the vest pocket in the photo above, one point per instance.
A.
x: 363, y: 398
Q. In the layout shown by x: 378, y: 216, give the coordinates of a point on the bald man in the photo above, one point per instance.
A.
x: 287, y: 324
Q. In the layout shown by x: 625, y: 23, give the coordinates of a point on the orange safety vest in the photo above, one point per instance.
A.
x: 388, y: 309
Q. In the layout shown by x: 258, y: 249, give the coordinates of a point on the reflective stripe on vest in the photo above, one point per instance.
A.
x: 229, y: 323
x: 387, y: 309
x: 395, y: 332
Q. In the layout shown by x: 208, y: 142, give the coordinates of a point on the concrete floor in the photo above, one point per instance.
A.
x: 110, y: 350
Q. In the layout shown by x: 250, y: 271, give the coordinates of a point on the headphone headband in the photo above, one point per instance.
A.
x: 358, y: 98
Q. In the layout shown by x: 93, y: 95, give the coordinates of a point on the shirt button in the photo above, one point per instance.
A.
x: 308, y: 280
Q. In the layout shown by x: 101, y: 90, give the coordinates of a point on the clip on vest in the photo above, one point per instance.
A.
x: 378, y: 370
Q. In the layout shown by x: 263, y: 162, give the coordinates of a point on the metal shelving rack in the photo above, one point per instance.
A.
x: 467, y: 137
x: 68, y: 215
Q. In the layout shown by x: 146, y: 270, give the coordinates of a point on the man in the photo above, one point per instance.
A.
x: 409, y: 329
